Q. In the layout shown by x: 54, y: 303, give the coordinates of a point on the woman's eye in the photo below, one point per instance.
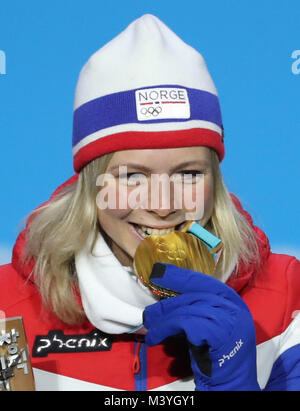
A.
x: 191, y: 172
x: 132, y: 178
x: 189, y: 176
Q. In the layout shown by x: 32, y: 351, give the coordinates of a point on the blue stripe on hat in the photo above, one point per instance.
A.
x: 120, y: 108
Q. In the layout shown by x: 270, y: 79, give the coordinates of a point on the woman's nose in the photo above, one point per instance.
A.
x: 162, y: 212
x: 162, y: 200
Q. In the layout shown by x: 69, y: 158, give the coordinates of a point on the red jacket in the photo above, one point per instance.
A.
x: 85, y: 355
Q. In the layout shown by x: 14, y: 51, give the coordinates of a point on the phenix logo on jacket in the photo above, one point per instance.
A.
x: 82, y: 358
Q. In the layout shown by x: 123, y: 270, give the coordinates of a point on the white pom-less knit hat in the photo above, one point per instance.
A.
x: 144, y: 89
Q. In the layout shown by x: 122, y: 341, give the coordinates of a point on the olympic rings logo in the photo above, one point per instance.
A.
x: 151, y: 111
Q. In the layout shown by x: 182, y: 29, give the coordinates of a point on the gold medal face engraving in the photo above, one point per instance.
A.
x: 178, y: 248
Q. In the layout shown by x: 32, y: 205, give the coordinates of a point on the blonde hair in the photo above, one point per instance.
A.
x: 238, y: 236
x: 59, y: 229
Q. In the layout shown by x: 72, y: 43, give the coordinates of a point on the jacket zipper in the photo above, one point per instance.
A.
x: 139, y: 366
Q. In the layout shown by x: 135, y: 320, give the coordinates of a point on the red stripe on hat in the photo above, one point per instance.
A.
x: 139, y: 140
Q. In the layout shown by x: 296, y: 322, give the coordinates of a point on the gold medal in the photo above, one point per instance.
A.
x: 178, y: 248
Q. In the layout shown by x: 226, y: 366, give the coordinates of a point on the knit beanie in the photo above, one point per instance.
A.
x: 145, y: 89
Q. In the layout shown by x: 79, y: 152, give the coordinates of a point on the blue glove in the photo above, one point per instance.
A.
x: 217, y: 324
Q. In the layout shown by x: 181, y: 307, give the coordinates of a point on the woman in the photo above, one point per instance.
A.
x: 146, y: 105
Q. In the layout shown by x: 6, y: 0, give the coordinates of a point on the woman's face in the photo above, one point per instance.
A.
x: 142, y: 204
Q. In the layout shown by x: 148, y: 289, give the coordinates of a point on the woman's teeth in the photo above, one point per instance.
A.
x: 145, y: 231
